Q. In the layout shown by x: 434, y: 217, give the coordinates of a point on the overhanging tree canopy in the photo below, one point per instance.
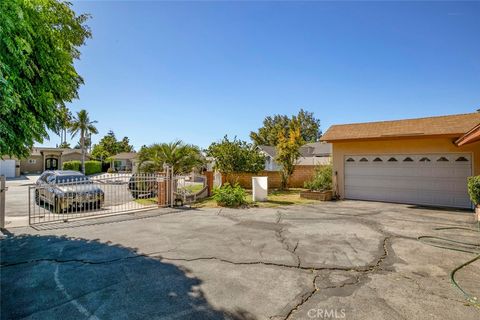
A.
x: 39, y: 41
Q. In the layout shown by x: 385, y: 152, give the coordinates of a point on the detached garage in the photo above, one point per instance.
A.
x: 7, y: 168
x: 417, y: 161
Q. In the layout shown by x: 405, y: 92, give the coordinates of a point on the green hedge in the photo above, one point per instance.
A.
x: 474, y: 189
x: 91, y: 167
x: 72, y: 165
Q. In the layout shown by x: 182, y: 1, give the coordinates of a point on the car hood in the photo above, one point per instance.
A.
x: 79, y: 188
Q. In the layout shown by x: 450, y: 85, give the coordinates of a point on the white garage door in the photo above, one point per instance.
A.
x: 425, y: 179
x: 7, y: 168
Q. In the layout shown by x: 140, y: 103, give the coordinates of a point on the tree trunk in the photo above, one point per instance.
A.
x: 82, y: 141
x: 284, y: 181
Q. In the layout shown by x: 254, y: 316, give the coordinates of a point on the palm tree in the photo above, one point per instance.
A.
x: 82, y: 124
x: 182, y: 157
x: 65, y: 116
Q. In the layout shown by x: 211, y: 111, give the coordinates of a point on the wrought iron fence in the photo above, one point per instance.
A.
x: 63, y: 200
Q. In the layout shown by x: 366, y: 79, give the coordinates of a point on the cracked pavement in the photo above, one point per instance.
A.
x: 348, y: 259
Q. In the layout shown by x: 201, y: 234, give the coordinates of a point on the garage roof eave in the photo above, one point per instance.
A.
x: 392, y: 137
x: 471, y: 136
x: 452, y: 125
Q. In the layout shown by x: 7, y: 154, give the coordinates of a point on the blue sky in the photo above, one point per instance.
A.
x: 158, y: 71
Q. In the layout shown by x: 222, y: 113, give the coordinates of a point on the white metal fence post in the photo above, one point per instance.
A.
x: 2, y: 201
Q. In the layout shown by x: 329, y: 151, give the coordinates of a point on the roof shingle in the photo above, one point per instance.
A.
x: 452, y: 125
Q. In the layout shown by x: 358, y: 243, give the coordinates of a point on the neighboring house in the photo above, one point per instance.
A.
x: 311, y: 154
x: 422, y: 161
x: 39, y: 160
x: 125, y: 161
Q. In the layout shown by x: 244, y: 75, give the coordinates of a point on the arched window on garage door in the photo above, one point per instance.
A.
x: 461, y: 159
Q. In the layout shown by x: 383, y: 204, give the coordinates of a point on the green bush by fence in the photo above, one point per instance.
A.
x: 72, y: 165
x: 228, y: 196
x: 91, y: 167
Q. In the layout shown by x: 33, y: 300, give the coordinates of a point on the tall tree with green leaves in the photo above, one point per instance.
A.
x: 182, y: 157
x: 288, y: 151
x: 124, y: 145
x: 109, y: 146
x: 39, y: 41
x: 272, y: 127
x: 235, y: 156
x: 81, y: 124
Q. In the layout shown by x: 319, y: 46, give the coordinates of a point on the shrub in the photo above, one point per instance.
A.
x: 92, y: 167
x: 228, y: 196
x: 72, y: 165
x: 474, y: 189
x: 110, y: 170
x: 322, y: 179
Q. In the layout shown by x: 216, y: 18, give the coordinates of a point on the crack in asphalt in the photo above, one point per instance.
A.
x: 56, y: 260
x: 367, y: 268
x: 305, y: 298
x: 283, y: 240
x: 362, y: 271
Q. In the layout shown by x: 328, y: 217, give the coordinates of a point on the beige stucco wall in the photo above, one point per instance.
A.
x: 73, y: 157
x: 37, y: 167
x: 400, y: 146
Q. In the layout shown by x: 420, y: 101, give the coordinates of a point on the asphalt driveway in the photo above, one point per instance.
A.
x: 17, y: 199
x: 337, y: 260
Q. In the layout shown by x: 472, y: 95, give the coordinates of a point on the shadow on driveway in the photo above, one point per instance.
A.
x: 49, y: 277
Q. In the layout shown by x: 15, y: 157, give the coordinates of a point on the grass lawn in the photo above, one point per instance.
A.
x: 275, y: 198
x: 146, y: 201
x: 194, y: 188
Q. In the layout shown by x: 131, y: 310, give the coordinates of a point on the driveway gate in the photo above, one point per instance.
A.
x: 56, y: 200
x: 105, y: 194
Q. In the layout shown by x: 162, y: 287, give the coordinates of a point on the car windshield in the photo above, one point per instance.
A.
x: 72, y: 178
